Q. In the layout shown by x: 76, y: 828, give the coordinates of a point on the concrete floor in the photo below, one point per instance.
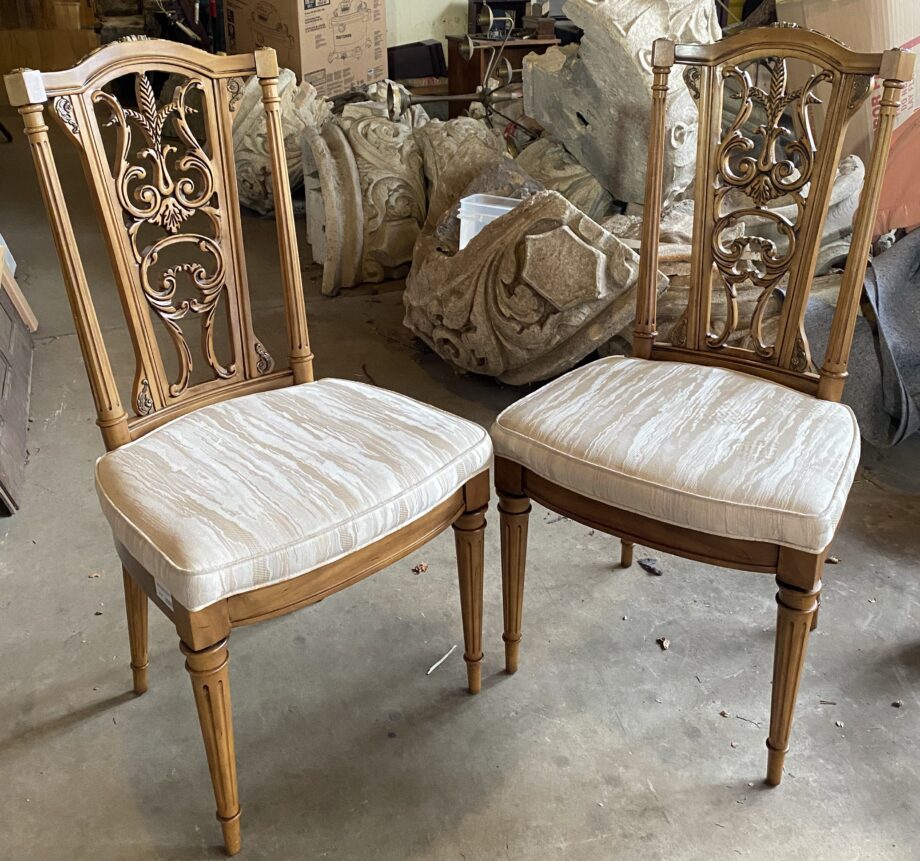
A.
x: 601, y: 747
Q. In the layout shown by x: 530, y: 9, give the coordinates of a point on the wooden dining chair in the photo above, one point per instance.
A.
x: 727, y: 450
x: 235, y: 491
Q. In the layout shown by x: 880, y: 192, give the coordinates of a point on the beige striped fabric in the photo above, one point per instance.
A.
x: 710, y: 449
x: 265, y: 487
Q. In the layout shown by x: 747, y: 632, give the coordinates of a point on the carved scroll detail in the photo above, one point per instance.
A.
x: 770, y: 162
x: 235, y: 87
x: 801, y: 358
x: 266, y: 363
x: 692, y: 80
x: 861, y: 86
x: 164, y: 188
x: 63, y: 107
x: 143, y: 402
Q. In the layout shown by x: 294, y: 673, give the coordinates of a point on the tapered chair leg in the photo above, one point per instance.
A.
x: 136, y: 610
x: 514, y: 512
x: 626, y: 553
x: 469, y: 536
x: 209, y: 671
x: 795, y: 610
x: 814, y: 617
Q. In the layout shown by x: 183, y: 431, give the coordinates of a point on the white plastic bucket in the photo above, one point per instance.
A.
x: 478, y: 210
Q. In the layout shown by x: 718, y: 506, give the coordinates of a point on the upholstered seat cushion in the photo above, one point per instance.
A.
x: 265, y: 487
x: 713, y: 450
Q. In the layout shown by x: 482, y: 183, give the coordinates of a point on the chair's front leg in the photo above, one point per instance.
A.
x: 515, y: 516
x: 136, y: 610
x: 796, y: 607
x: 469, y: 535
x: 210, y: 674
x: 626, y: 553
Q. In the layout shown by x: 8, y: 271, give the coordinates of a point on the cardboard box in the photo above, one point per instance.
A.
x: 334, y: 44
x: 864, y: 25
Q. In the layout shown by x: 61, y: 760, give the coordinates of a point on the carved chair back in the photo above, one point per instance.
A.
x: 757, y: 149
x: 161, y: 174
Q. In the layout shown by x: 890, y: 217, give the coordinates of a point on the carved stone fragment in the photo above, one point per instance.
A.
x: 392, y: 181
x: 301, y: 109
x: 534, y: 293
x: 548, y: 161
x: 594, y: 98
x: 455, y: 153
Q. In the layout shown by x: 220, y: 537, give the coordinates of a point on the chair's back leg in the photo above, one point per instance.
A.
x: 210, y: 673
x: 515, y: 516
x: 136, y: 610
x: 626, y: 553
x: 469, y: 535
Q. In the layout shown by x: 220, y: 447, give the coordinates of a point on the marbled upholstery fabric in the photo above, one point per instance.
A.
x: 710, y: 449
x: 265, y: 487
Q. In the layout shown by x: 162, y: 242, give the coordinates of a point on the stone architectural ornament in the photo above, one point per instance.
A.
x: 363, y: 168
x: 534, y: 293
x: 301, y: 109
x: 548, y: 161
x: 454, y: 154
x: 160, y: 188
x: 392, y: 181
x: 593, y: 98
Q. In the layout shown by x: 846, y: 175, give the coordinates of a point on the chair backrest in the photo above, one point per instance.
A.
x: 756, y: 147
x: 161, y: 173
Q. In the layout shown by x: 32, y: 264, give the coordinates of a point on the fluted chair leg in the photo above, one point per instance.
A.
x: 514, y: 512
x: 626, y: 553
x: 136, y: 611
x: 795, y: 610
x: 210, y: 673
x: 814, y: 617
x: 469, y: 536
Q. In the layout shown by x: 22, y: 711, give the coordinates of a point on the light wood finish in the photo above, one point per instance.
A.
x: 76, y: 99
x: 814, y: 617
x: 469, y: 536
x: 10, y: 286
x: 786, y: 359
x: 209, y: 670
x: 136, y: 610
x: 795, y: 610
x: 514, y: 512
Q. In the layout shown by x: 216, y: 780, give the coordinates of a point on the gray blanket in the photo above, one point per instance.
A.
x: 883, y: 388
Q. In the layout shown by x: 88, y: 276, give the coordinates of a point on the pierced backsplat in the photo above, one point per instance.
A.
x: 152, y: 123
x: 765, y: 166
x: 162, y: 184
x: 754, y: 167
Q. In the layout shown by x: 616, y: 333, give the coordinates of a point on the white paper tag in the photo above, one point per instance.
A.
x: 164, y: 595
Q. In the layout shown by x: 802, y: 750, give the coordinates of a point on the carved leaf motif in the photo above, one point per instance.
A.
x: 266, y: 362
x: 235, y: 89
x: 163, y: 185
x: 144, y: 402
x: 63, y: 107
x: 772, y: 159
